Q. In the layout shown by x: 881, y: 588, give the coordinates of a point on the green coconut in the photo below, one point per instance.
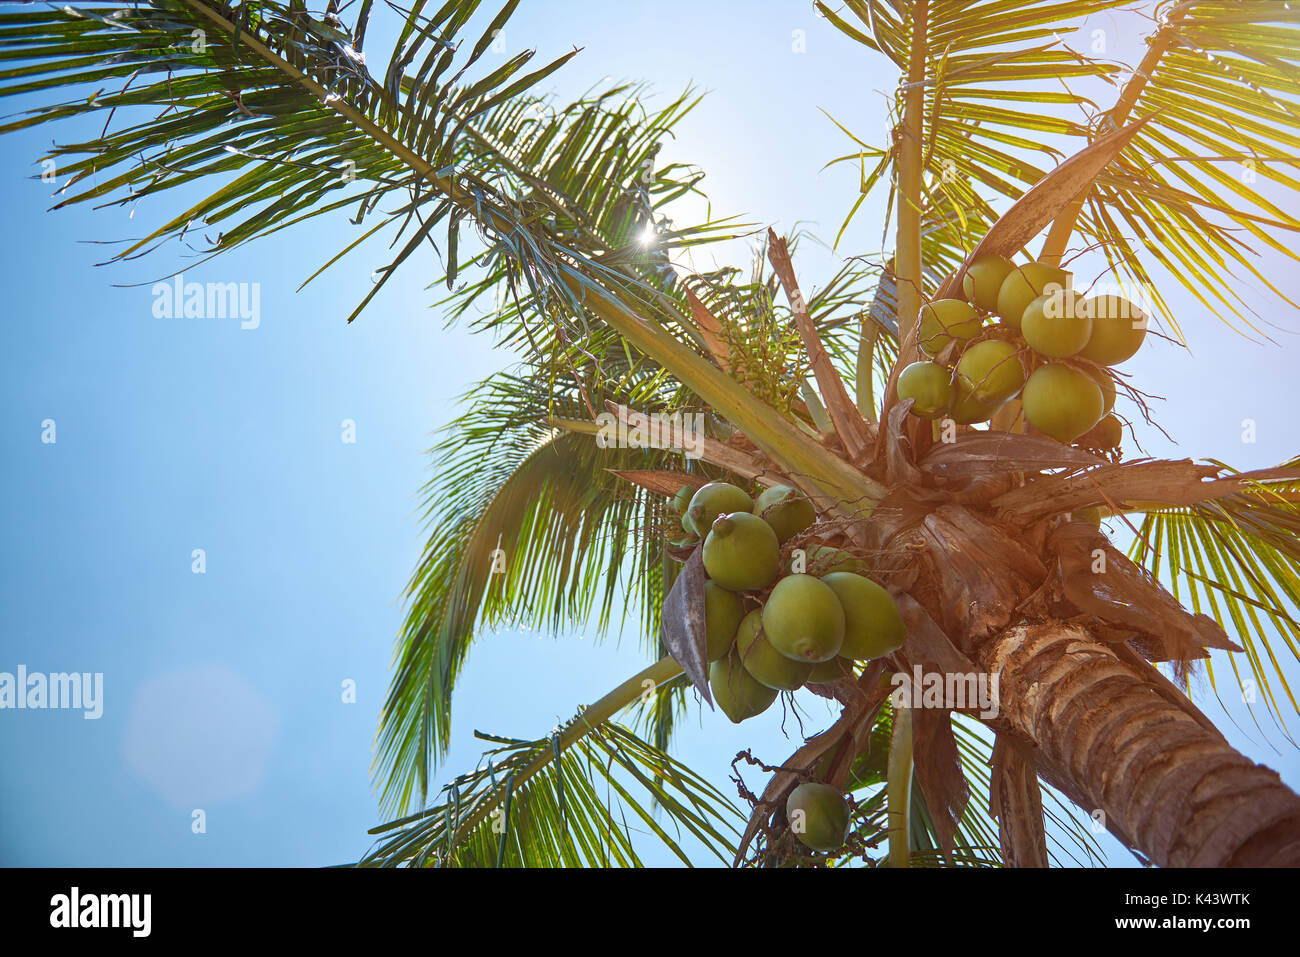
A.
x: 741, y: 552
x: 1053, y: 326
x: 992, y: 371
x: 873, y: 625
x: 833, y: 670
x: 1106, y: 382
x: 967, y: 409
x: 944, y: 321
x: 1023, y: 285
x: 682, y: 500
x: 712, y: 500
x: 786, y: 509
x: 929, y: 385
x: 723, y: 612
x: 983, y: 280
x: 818, y: 816
x: 736, y: 691
x: 803, y: 619
x: 767, y: 665
x: 1118, y: 328
x: 1061, y: 402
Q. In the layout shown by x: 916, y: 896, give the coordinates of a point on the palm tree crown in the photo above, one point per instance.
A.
x: 555, y: 226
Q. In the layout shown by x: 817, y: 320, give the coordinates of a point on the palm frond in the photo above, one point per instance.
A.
x: 280, y: 109
x: 526, y: 526
x: 1237, y: 559
x: 276, y: 103
x: 586, y: 808
x: 1199, y: 190
x: 997, y: 96
x: 1205, y: 184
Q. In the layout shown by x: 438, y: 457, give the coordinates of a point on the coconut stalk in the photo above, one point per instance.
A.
x: 866, y: 360
x: 898, y: 790
x: 833, y: 480
x: 911, y: 173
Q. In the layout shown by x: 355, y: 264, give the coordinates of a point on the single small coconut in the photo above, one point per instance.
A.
x: 967, y: 409
x: 1061, y: 402
x: 768, y: 666
x: 786, y: 509
x: 983, y: 280
x: 723, y: 612
x: 1023, y: 285
x: 736, y: 691
x: 712, y: 500
x: 929, y: 385
x: 1108, y: 433
x: 1054, y: 327
x: 818, y: 816
x: 803, y: 619
x: 1106, y: 382
x: 992, y: 371
x: 873, y: 625
x: 741, y: 552
x: 1118, y: 328
x: 944, y: 321
x: 826, y: 671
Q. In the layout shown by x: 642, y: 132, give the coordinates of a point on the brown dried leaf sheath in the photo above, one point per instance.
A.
x: 682, y: 627
x: 1016, y: 801
x: 846, y: 418
x: 1046, y: 200
x: 710, y: 331
x: 993, y: 453
x: 938, y: 771
x: 659, y: 481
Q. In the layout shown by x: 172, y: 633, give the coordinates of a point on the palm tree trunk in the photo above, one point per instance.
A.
x: 1167, y: 782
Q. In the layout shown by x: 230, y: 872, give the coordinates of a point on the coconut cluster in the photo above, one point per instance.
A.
x: 770, y: 629
x: 1049, y: 346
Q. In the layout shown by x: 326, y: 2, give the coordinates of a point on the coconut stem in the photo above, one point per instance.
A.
x: 898, y: 793
x: 911, y: 173
x: 866, y: 368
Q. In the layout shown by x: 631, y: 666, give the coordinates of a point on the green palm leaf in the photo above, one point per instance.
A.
x: 1238, y: 560
x: 585, y: 808
x: 995, y: 98
x: 1189, y: 192
x: 571, y: 536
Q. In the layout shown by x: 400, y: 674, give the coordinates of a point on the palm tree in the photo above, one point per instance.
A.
x: 569, y: 263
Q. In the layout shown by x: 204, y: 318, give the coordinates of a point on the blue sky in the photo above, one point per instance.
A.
x: 223, y: 691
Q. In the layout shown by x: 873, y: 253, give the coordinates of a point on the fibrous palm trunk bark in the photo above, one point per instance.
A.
x: 1168, y: 784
